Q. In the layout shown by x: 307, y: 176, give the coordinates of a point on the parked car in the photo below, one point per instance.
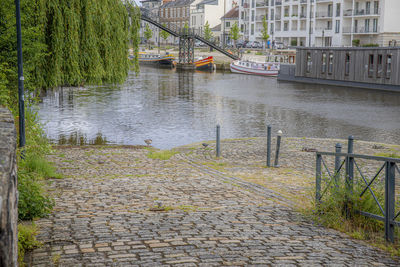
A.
x: 241, y: 44
x: 256, y: 44
x: 280, y: 45
x: 249, y: 45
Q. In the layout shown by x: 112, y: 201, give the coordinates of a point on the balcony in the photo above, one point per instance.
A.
x: 303, y: 15
x: 303, y: 1
x: 324, y: 15
x: 360, y: 30
x: 324, y: 1
x: 362, y: 13
x: 262, y: 4
x: 278, y: 2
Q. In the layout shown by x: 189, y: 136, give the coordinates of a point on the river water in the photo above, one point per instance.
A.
x: 176, y: 108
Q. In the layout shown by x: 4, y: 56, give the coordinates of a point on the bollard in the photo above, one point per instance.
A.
x: 218, y: 145
x: 278, y: 145
x: 269, y: 146
x: 338, y: 149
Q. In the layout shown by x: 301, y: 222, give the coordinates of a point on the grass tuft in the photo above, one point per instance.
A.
x: 162, y: 154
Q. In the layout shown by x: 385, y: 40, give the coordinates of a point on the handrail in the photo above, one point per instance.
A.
x: 182, y: 32
x: 396, y: 160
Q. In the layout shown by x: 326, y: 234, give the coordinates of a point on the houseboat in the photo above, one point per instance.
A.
x: 255, y: 68
x: 156, y: 59
x: 205, y: 63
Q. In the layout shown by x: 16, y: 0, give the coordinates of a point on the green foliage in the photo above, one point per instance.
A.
x: 26, y: 240
x: 264, y: 32
x: 356, y: 42
x: 162, y: 154
x: 293, y: 42
x: 134, y: 14
x: 207, y: 31
x: 148, y: 33
x: 370, y: 45
x: 234, y: 32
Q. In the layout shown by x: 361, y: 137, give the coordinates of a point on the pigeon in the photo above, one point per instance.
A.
x: 205, y: 145
x: 148, y: 141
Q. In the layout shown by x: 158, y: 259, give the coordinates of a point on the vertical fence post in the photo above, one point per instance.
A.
x: 278, y: 145
x: 349, y: 174
x: 218, y: 144
x: 338, y: 149
x: 269, y: 146
x: 318, y: 179
x: 389, y: 201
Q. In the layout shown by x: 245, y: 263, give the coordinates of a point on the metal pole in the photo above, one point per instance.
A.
x: 338, y: 149
x: 389, y: 201
x: 318, y: 179
x: 21, y: 100
x: 278, y: 145
x: 269, y: 146
x: 218, y: 145
x: 349, y: 173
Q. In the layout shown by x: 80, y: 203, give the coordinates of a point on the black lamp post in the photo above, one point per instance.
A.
x: 21, y: 99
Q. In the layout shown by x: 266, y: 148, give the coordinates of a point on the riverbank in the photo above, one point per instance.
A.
x: 137, y: 205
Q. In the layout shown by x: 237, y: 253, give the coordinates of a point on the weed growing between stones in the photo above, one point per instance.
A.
x: 331, y: 212
x: 162, y: 154
x: 26, y: 240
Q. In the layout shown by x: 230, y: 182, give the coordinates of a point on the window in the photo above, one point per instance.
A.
x: 252, y: 15
x: 355, y: 25
x: 368, y: 8
x: 252, y: 29
x: 337, y: 26
x: 367, y: 25
x: 338, y: 10
x: 323, y: 69
x: 309, y: 62
x: 272, y: 28
x: 241, y: 27
x: 347, y: 65
x: 329, y: 25
x: 379, y: 68
x: 253, y: 3
x: 286, y: 12
x: 286, y: 26
x: 371, y: 65
x: 388, y: 66
x: 376, y: 7
x: 375, y: 25
x: 272, y: 14
x: 227, y: 24
x: 330, y: 9
x: 330, y: 66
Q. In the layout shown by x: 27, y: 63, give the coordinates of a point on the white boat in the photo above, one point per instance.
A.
x: 255, y: 68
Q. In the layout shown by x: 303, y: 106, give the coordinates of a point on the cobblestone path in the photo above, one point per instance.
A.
x: 117, y: 207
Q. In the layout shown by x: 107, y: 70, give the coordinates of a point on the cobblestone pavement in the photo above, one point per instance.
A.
x: 117, y: 207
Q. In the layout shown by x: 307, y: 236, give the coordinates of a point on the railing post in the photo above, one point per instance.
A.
x: 389, y: 201
x: 278, y: 146
x: 349, y: 173
x: 218, y: 148
x: 318, y: 179
x: 269, y: 146
x: 338, y: 149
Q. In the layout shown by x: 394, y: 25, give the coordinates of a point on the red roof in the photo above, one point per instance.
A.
x: 232, y: 14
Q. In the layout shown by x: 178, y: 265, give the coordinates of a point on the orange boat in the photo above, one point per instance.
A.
x: 205, y: 63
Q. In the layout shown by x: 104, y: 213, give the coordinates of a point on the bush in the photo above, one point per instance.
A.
x: 26, y: 240
x: 293, y: 43
x: 370, y: 45
x: 356, y: 42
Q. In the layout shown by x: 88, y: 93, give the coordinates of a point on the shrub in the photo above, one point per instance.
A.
x: 26, y: 240
x: 293, y: 43
x: 356, y: 42
x: 370, y: 45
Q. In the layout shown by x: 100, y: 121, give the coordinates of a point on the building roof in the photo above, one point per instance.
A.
x: 216, y: 28
x: 209, y: 2
x: 232, y: 14
x: 177, y: 3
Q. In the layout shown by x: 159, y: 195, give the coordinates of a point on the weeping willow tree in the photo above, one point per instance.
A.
x: 67, y: 42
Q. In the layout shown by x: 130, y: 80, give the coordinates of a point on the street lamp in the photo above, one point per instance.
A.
x: 21, y: 105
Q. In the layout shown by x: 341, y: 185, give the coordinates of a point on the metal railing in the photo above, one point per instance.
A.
x: 351, y: 164
x: 178, y: 31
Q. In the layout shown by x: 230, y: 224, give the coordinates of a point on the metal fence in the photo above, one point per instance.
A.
x: 350, y: 162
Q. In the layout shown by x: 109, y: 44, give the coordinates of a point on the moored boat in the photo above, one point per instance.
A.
x: 205, y: 63
x: 155, y: 59
x: 255, y: 68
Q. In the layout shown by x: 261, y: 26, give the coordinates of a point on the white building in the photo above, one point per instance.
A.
x: 202, y: 11
x: 322, y: 22
x: 153, y: 6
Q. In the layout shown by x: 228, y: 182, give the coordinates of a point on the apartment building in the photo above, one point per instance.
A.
x: 322, y: 22
x: 202, y: 11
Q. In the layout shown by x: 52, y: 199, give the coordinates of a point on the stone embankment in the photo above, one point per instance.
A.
x: 8, y: 190
x: 121, y: 206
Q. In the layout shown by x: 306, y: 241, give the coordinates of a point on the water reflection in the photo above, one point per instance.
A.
x: 175, y: 108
